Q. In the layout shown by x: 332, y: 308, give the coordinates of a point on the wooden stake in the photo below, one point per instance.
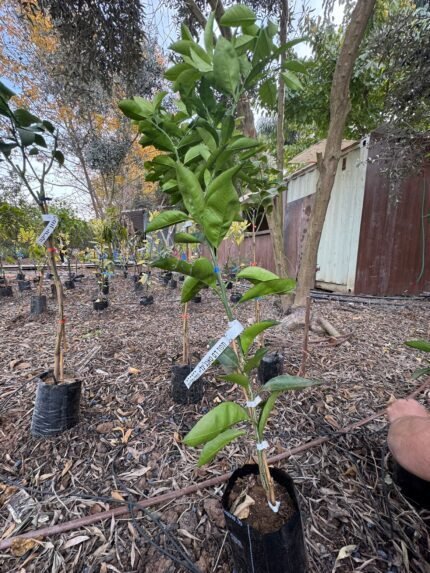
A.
x: 305, y: 337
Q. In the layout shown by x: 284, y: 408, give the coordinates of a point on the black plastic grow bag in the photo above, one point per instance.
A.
x: 414, y: 488
x: 100, y: 304
x: 147, y: 300
x: 24, y: 285
x: 270, y: 366
x: 282, y: 551
x: 38, y: 304
x: 6, y: 291
x: 70, y: 284
x: 180, y: 393
x: 56, y: 408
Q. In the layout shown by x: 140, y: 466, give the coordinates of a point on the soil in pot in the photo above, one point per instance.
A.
x: 100, y: 304
x: 180, y: 393
x: 69, y: 284
x: 264, y: 541
x: 173, y: 283
x: 56, y: 408
x: 20, y: 277
x: 6, y: 291
x: 197, y: 298
x: 235, y: 297
x: 38, y: 304
x: 271, y: 365
x: 147, y: 300
x: 24, y: 285
x: 415, y: 489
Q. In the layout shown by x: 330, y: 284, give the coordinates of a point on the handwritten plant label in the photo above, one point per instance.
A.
x: 52, y: 221
x: 218, y: 348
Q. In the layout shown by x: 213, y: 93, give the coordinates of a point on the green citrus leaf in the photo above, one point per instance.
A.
x: 214, y: 422
x: 214, y: 446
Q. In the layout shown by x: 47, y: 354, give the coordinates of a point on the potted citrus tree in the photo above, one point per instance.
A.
x: 206, y: 165
x: 25, y: 139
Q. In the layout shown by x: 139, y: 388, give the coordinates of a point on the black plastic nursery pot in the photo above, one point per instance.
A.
x: 235, y: 297
x: 54, y: 291
x: 125, y: 274
x: 20, y: 277
x: 6, y: 291
x: 100, y: 304
x: 414, y: 488
x: 56, y: 408
x: 24, y: 285
x: 180, y: 393
x: 280, y: 551
x: 229, y: 285
x: 271, y: 365
x: 69, y: 284
x: 105, y: 289
x: 147, y: 300
x: 173, y: 283
x: 197, y: 298
x: 181, y: 278
x: 38, y: 304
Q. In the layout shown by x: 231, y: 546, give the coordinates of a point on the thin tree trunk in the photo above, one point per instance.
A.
x: 339, y: 108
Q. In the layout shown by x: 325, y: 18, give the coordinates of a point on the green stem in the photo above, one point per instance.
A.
x: 264, y: 472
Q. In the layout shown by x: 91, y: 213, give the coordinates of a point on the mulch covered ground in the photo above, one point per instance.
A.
x: 127, y: 445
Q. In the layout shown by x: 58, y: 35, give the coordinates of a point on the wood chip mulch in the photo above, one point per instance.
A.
x: 127, y: 445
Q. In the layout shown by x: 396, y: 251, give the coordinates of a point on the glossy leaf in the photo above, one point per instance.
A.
x: 190, y: 288
x: 243, y: 143
x: 203, y: 270
x: 256, y: 274
x: 295, y: 66
x: 174, y: 72
x: 166, y: 219
x: 27, y: 136
x: 423, y: 345
x: 255, y: 360
x: 214, y: 422
x: 220, y: 206
x: 238, y: 15
x: 24, y: 118
x: 228, y: 360
x: 172, y: 264
x: 285, y: 383
x: 200, y: 150
x: 266, y: 408
x: 59, y: 157
x: 186, y: 238
x: 236, y: 378
x: 249, y: 334
x: 209, y: 33
x: 201, y: 64
x: 269, y: 94
x: 137, y: 108
x: 192, y: 194
x: 217, y: 444
x: 226, y: 66
x: 292, y: 81
x: 277, y: 286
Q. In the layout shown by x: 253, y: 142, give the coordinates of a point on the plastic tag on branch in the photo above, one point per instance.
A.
x: 52, y: 221
x: 218, y: 348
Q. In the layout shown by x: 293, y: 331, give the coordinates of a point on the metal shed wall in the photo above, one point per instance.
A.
x: 394, y: 248
x: 337, y: 254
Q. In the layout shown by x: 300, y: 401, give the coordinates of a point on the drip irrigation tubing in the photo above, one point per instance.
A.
x: 125, y: 510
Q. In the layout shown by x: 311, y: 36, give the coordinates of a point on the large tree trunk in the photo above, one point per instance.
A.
x: 339, y: 108
x: 275, y: 219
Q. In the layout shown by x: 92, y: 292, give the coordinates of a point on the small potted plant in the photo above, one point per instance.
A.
x: 206, y: 163
x: 22, y: 138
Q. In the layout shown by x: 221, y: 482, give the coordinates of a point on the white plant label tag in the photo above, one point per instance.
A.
x: 49, y: 229
x: 218, y: 348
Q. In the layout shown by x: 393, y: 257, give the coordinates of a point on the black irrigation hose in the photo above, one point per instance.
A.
x: 187, y: 563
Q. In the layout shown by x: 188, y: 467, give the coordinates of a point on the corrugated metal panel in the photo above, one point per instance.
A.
x: 394, y: 237
x: 337, y: 254
x: 230, y: 253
